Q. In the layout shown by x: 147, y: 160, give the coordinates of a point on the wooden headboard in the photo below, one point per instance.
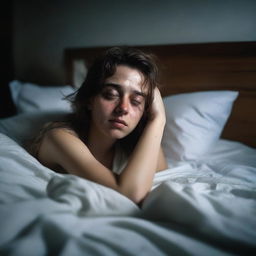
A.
x: 201, y: 67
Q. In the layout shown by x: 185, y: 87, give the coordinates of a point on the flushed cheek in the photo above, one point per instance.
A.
x: 106, y: 108
x: 136, y: 116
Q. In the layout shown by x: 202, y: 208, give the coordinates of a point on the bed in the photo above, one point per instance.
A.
x: 203, y: 204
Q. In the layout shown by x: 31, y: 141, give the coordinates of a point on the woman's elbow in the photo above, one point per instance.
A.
x: 137, y: 198
x: 135, y: 195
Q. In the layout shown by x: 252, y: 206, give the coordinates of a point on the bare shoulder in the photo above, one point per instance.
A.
x: 61, y: 135
x: 58, y: 144
x: 63, y: 149
x: 62, y: 139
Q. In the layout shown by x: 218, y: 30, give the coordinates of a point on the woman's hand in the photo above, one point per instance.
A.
x: 157, y: 108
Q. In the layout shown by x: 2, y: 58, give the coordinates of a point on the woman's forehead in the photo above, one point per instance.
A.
x: 128, y: 77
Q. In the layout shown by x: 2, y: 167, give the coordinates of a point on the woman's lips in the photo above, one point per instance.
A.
x: 118, y: 123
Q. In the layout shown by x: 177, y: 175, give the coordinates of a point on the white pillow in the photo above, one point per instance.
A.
x: 29, y: 97
x: 195, y: 122
x: 25, y: 126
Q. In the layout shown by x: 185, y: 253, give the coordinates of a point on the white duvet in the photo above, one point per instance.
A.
x: 207, y: 207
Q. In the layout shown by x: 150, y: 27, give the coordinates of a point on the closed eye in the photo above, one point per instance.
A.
x: 138, y: 100
x: 110, y: 94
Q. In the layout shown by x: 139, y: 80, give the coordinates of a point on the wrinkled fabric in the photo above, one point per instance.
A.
x: 206, y: 207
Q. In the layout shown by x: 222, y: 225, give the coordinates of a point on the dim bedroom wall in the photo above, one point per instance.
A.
x: 43, y: 29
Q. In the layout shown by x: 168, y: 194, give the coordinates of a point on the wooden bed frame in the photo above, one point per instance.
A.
x: 201, y: 67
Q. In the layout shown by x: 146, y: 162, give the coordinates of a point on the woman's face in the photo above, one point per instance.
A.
x: 117, y: 110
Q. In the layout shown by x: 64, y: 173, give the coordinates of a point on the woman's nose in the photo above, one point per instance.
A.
x: 122, y: 106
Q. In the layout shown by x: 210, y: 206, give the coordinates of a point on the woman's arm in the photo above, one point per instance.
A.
x: 65, y: 149
x: 137, y: 177
x: 162, y: 163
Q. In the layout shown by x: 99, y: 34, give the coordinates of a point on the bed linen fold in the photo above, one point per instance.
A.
x: 192, y: 209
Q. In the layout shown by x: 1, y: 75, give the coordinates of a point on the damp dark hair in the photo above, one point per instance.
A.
x: 101, y: 69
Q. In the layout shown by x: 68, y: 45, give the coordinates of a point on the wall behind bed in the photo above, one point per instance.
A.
x: 43, y: 29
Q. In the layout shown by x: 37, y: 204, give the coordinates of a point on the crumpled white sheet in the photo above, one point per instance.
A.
x: 87, y: 198
x: 191, y: 210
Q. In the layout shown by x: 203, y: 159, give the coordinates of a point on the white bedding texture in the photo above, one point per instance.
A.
x: 203, y: 204
x: 205, y: 207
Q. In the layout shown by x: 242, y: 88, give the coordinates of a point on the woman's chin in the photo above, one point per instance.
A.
x: 117, y: 134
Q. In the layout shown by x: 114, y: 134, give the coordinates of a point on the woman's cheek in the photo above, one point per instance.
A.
x: 107, y: 106
x: 137, y: 114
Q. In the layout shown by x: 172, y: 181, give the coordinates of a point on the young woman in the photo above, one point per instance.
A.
x: 113, y: 137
